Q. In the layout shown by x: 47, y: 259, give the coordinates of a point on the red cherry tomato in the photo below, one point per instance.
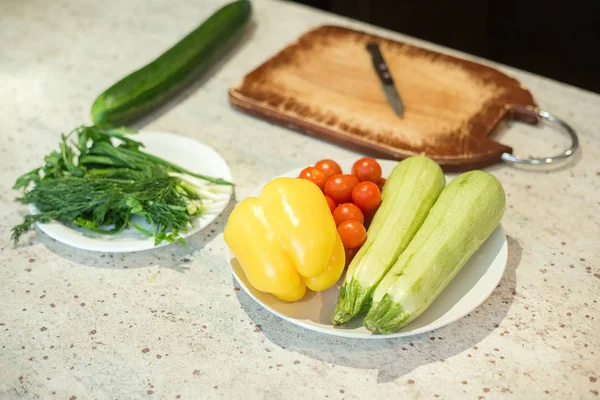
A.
x: 366, y: 196
x: 352, y: 233
x: 350, y: 253
x: 347, y: 212
x: 381, y: 183
x: 367, y: 169
x: 328, y: 168
x: 339, y: 187
x: 330, y: 203
x: 314, y: 175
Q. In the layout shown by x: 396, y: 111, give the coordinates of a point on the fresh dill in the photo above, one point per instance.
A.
x: 100, y: 179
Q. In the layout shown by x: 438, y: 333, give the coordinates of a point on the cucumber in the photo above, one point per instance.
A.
x: 143, y: 90
x: 408, y: 194
x: 466, y: 213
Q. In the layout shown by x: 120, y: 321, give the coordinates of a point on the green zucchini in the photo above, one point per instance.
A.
x: 145, y: 89
x: 463, y: 217
x: 409, y: 193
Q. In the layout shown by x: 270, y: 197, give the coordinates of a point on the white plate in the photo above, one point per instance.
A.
x: 189, y: 154
x: 471, y: 286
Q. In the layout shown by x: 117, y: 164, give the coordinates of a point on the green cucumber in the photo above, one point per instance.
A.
x: 466, y: 213
x: 408, y: 194
x: 145, y: 89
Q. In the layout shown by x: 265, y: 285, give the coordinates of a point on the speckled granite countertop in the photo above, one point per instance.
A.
x: 169, y: 324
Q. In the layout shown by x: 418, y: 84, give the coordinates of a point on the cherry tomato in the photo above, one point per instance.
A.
x: 366, y: 196
x: 367, y: 169
x: 381, y: 183
x: 314, y: 175
x: 328, y: 167
x: 330, y: 203
x: 339, y: 187
x: 350, y: 253
x: 352, y: 233
x: 347, y: 212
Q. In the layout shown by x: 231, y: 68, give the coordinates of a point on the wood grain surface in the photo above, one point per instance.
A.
x: 324, y: 85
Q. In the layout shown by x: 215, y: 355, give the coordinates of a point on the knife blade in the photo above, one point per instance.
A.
x: 389, y: 88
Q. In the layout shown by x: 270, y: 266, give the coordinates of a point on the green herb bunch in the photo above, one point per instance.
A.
x: 100, y: 179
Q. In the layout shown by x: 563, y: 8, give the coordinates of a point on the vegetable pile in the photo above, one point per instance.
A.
x: 420, y: 235
x: 101, y: 180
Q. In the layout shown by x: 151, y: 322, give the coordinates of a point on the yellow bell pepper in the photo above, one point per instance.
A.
x: 286, y: 240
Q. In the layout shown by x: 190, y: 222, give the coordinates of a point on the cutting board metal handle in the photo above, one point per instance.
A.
x: 529, y: 115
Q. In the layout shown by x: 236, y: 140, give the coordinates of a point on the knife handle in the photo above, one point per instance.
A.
x: 379, y: 64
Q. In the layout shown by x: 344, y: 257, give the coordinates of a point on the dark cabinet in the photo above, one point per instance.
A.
x: 560, y: 40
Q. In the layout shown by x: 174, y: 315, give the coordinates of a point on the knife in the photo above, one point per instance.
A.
x: 386, y: 78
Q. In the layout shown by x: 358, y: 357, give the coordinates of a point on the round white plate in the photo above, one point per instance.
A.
x: 189, y: 154
x: 471, y: 286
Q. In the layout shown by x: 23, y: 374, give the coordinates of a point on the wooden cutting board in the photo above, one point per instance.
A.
x: 324, y: 85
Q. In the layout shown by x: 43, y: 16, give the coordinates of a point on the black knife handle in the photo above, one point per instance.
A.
x: 379, y: 64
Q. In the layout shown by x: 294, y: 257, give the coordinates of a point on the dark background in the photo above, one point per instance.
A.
x: 559, y: 40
